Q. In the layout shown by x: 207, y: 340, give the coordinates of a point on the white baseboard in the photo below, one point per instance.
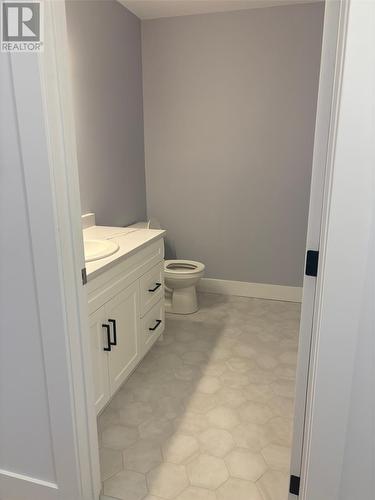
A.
x: 255, y: 290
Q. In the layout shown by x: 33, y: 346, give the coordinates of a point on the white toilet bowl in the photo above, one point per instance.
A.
x: 181, y: 279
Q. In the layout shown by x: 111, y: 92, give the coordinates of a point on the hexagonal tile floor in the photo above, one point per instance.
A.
x: 207, y: 414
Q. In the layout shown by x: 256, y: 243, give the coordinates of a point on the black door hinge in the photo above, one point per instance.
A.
x: 312, y: 259
x: 84, y: 276
x: 294, y: 485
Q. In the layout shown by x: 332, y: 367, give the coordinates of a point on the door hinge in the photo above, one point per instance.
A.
x: 84, y: 276
x: 294, y: 485
x: 312, y: 259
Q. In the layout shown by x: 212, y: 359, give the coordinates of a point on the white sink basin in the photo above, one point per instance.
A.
x: 98, y: 249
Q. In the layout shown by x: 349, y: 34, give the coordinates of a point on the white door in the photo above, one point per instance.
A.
x: 99, y: 355
x: 327, y: 109
x: 319, y: 174
x: 123, y: 320
x: 338, y: 446
x: 48, y: 438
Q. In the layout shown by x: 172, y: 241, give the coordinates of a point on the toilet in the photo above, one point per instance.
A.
x: 181, y: 279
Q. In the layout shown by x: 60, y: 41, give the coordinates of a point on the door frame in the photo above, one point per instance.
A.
x: 46, y: 145
x: 59, y: 118
x: 341, y: 298
x: 333, y: 45
x: 54, y: 67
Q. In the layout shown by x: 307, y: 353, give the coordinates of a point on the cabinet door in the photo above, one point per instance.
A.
x: 123, y: 315
x: 99, y: 357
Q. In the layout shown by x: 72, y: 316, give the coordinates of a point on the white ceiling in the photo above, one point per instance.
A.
x: 152, y: 9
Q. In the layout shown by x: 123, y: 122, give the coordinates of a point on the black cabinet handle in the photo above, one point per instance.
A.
x: 158, y: 322
x: 108, y: 328
x: 157, y: 285
x: 113, y: 321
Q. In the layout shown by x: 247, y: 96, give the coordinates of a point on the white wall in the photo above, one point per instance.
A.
x: 358, y: 478
x: 229, y: 102
x: 358, y: 470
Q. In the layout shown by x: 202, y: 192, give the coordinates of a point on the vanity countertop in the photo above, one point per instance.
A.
x: 129, y: 239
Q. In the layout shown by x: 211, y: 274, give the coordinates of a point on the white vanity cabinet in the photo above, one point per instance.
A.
x: 126, y: 308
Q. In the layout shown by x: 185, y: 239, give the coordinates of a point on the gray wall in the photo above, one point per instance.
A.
x: 105, y: 41
x: 230, y: 103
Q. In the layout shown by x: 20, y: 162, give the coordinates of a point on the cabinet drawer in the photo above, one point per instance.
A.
x: 152, y: 287
x: 152, y: 326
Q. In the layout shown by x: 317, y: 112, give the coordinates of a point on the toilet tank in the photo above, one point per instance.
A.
x: 150, y: 224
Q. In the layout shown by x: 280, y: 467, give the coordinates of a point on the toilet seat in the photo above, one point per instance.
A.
x: 183, y: 267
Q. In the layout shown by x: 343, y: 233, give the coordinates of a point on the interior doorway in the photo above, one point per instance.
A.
x: 79, y: 243
x: 277, y: 393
